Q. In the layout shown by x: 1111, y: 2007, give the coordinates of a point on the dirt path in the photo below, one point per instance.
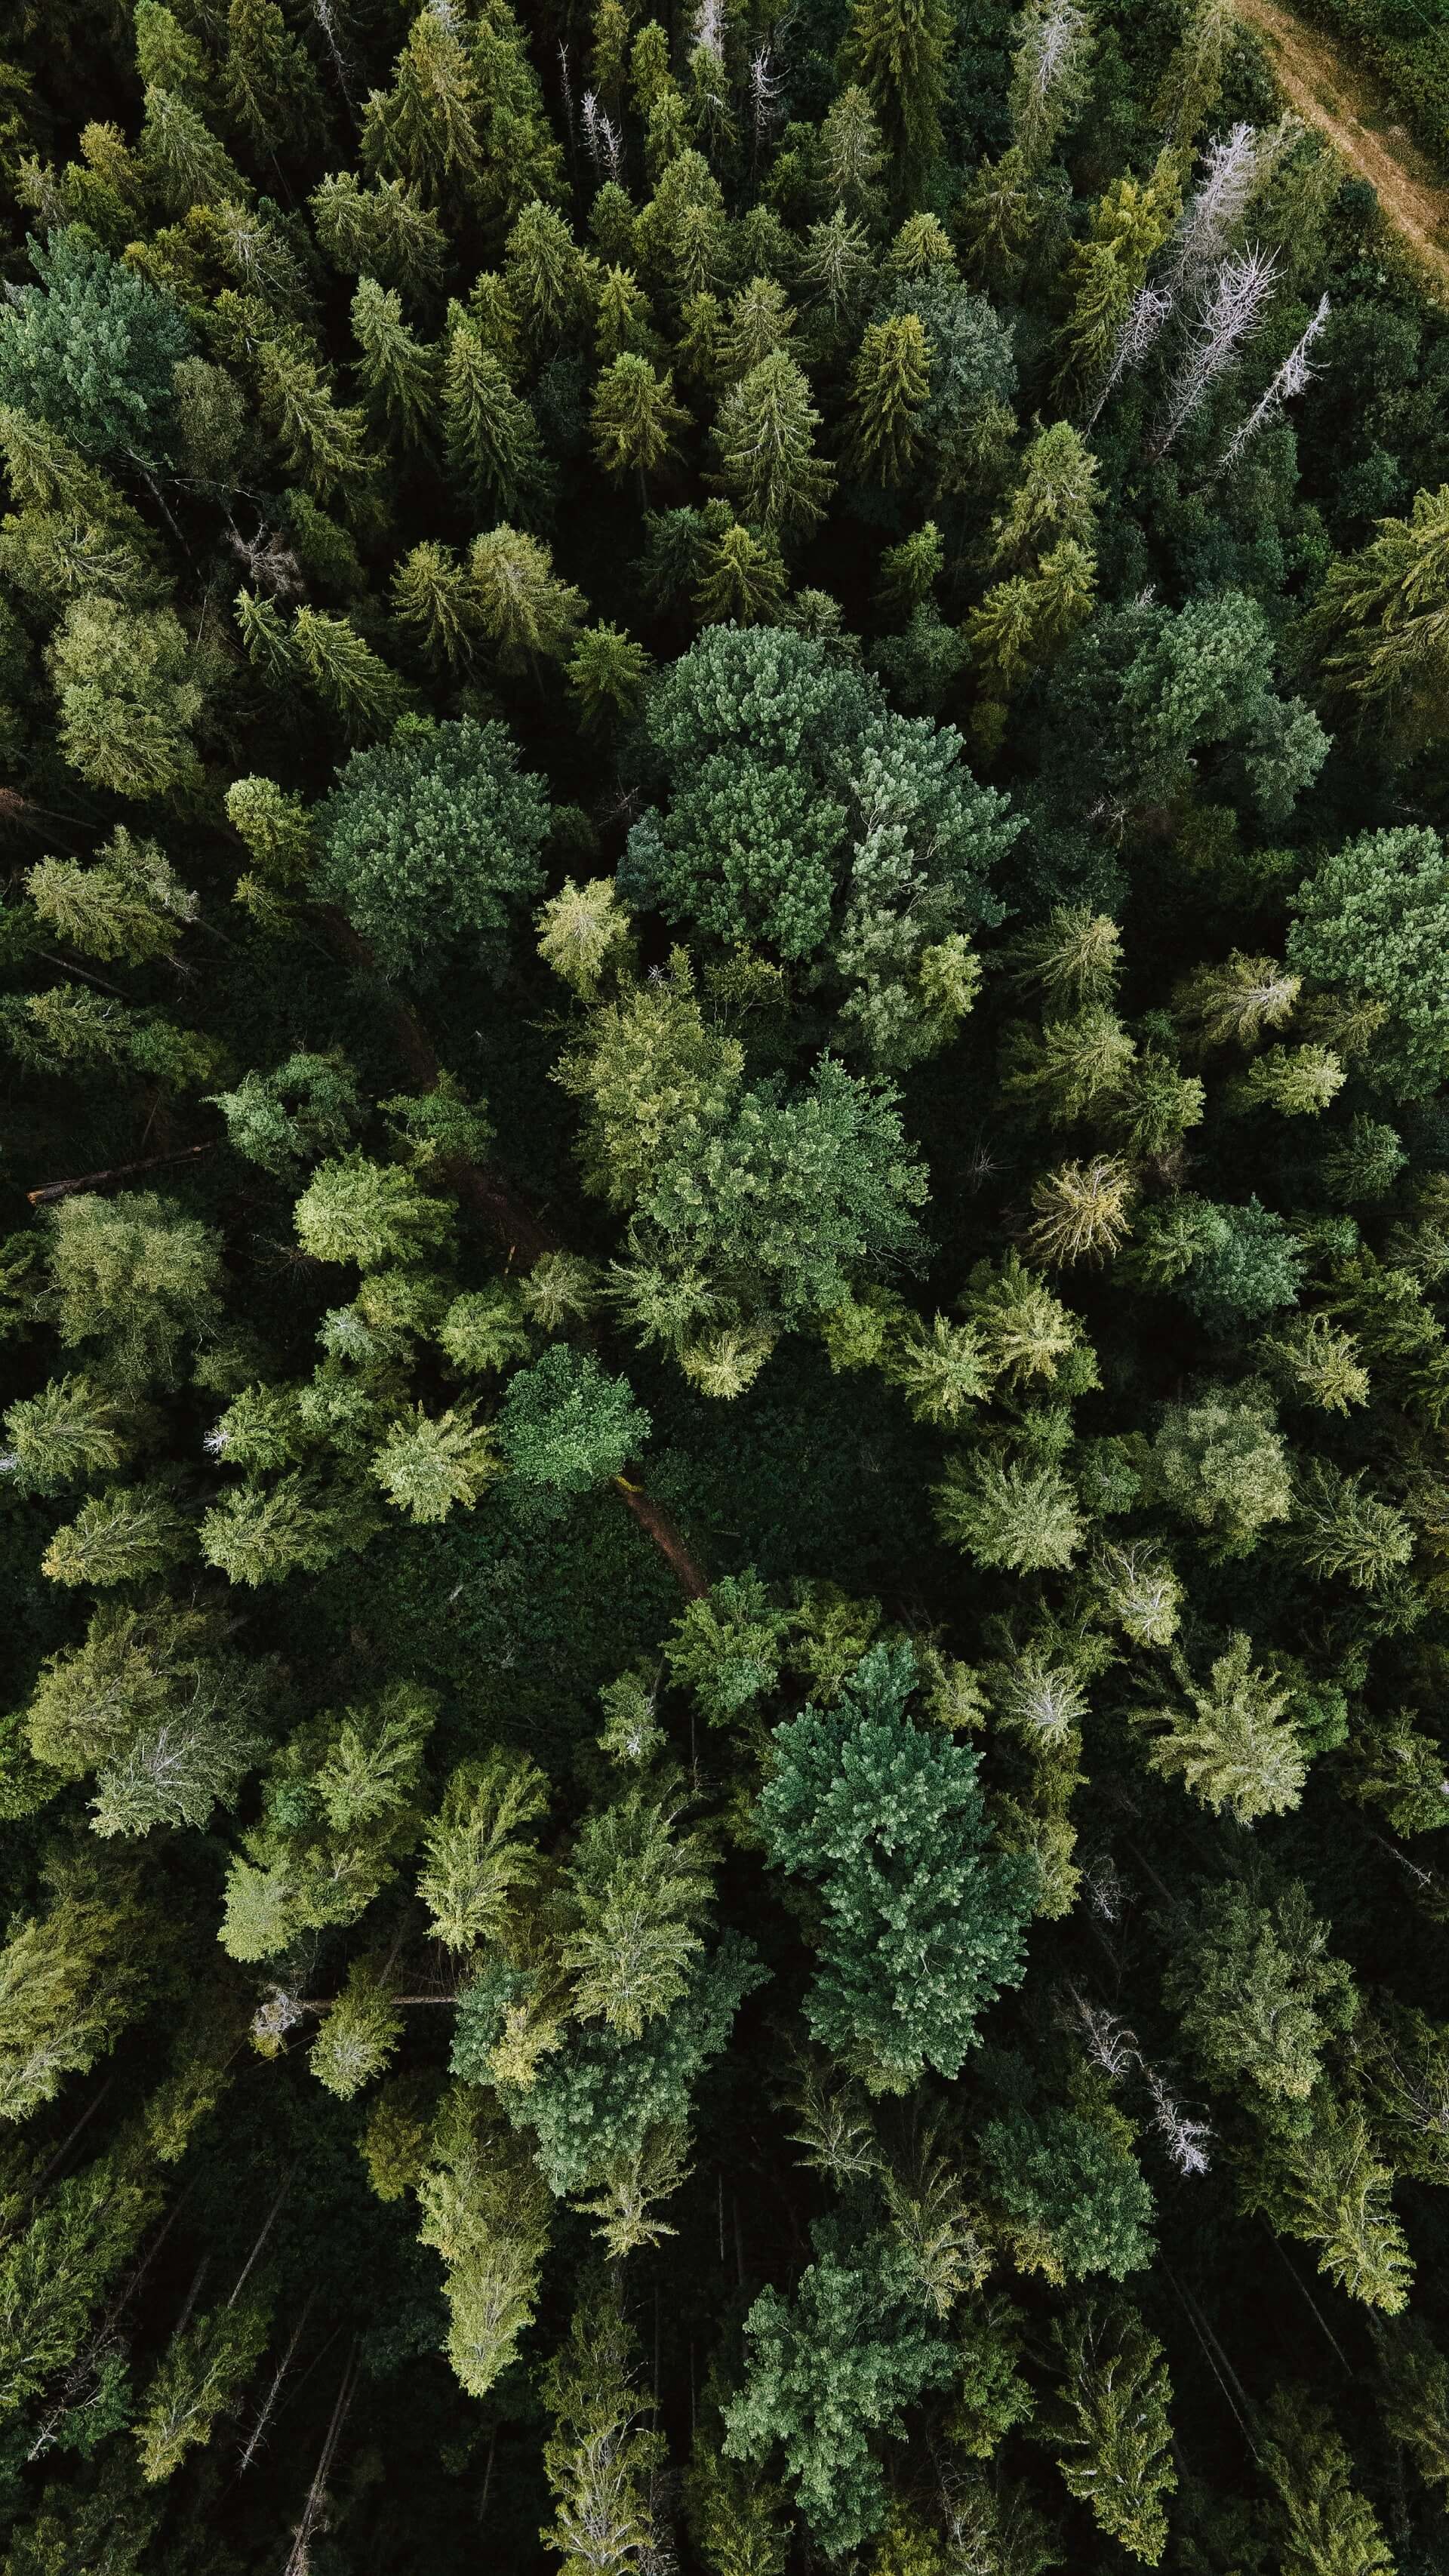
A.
x: 1332, y: 93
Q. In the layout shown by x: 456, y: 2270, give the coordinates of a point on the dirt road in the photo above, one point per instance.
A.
x: 1330, y: 92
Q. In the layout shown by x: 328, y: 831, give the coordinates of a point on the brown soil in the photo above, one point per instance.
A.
x: 1332, y: 93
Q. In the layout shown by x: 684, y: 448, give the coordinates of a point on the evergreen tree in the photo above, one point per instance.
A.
x: 1235, y: 1744
x: 91, y: 351
x: 921, y: 1932
x: 608, y: 674
x: 764, y: 438
x: 489, y: 432
x: 896, y: 49
x: 636, y: 422
x: 892, y: 378
x: 435, y: 832
x: 424, y: 129
x: 199, y: 2377
x: 601, y: 2460
x: 1114, y: 2427
x: 128, y: 692
x: 1325, y: 2527
x: 828, y: 2369
x: 527, y: 613
x: 396, y: 370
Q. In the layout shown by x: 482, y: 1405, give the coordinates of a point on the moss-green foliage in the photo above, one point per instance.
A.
x: 434, y: 837
x: 722, y: 1516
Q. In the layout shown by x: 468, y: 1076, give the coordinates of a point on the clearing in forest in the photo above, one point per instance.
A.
x: 1333, y: 93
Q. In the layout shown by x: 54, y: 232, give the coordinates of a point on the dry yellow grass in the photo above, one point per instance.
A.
x: 1335, y: 95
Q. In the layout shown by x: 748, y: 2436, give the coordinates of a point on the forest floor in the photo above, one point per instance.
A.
x: 1334, y: 94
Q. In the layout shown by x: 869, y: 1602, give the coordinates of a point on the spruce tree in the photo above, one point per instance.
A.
x: 891, y: 381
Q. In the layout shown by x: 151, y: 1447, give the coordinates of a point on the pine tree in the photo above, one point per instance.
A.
x: 1414, y: 2400
x: 57, y: 2268
x: 1325, y: 2527
x: 1342, y: 1533
x: 1114, y: 2426
x: 1257, y: 1991
x: 830, y: 2366
x: 940, y: 1369
x: 360, y: 2033
x: 1236, y: 1001
x: 1082, y: 1211
x: 432, y: 595
x: 622, y: 318
x: 608, y: 674
x: 891, y: 380
x: 897, y: 50
x: 1049, y: 75
x: 129, y: 903
x: 489, y: 431
x: 547, y: 276
x: 601, y: 2459
x: 264, y: 1533
x: 349, y: 678
x: 425, y: 128
x: 636, y: 1894
x: 526, y: 612
x: 1380, y: 623
x: 129, y: 692
x: 583, y: 931
x: 1025, y: 1330
x: 119, y: 1536
x: 759, y: 325
x: 398, y: 372
x: 429, y: 1462
x: 764, y: 438
x: 476, y: 1861
x: 1069, y: 1065
x: 323, y: 444
x: 268, y: 81
x: 834, y: 1811
x: 1006, y: 1512
x: 485, y: 2211
x: 181, y: 160
x: 136, y: 1274
x: 384, y: 231
x: 369, y: 1213
x: 1235, y: 1744
x: 199, y: 2377
x: 70, y: 1979
x: 635, y: 420
x: 1129, y: 223
x: 70, y: 1432
x: 742, y: 579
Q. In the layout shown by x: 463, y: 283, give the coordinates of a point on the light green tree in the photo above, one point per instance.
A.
x: 602, y: 2456
x: 129, y: 689
x: 527, y: 612
x: 1232, y: 1739
x: 128, y: 903
x: 1257, y: 1991
x: 635, y: 420
x: 1112, y: 2432
x: 400, y: 374
x: 891, y: 381
x: 764, y: 438
x: 477, y: 1862
x: 200, y: 2377
x: 1325, y: 2527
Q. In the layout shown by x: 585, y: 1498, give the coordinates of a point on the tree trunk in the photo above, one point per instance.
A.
x: 118, y: 1172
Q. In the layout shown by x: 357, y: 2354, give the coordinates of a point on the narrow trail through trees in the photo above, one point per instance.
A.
x: 1335, y: 95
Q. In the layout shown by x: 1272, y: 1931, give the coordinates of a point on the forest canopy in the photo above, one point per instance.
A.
x: 724, y: 762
